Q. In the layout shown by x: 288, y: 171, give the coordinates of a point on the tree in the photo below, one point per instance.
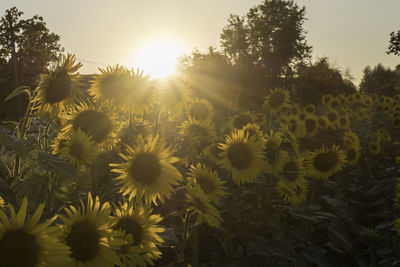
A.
x: 394, y: 44
x: 380, y: 80
x: 27, y: 49
x: 317, y: 79
x: 270, y: 37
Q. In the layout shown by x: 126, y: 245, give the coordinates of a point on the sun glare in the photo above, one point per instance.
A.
x: 158, y: 58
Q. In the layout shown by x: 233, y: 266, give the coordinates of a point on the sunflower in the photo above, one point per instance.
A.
x: 200, y: 205
x: 292, y: 171
x: 208, y: 180
x: 241, y: 156
x: 295, y: 125
x: 290, y: 138
x: 87, y: 233
x: 76, y: 147
x: 137, y: 127
x: 111, y: 86
x: 374, y: 147
x: 147, y: 171
x: 322, y: 122
x: 141, y: 233
x: 324, y: 162
x: 212, y: 151
x: 240, y: 120
x: 59, y: 88
x: 276, y: 100
x: 310, y: 109
x: 333, y: 118
x: 342, y: 99
x: 293, y: 194
x: 352, y: 155
x: 141, y: 92
x: 254, y: 130
x: 173, y: 96
x: 98, y: 123
x: 326, y: 99
x: 351, y: 139
x: 334, y: 103
x: 200, y: 109
x: 367, y: 100
x: 27, y: 243
x: 311, y: 125
x: 202, y: 131
x: 344, y: 122
x: 350, y: 99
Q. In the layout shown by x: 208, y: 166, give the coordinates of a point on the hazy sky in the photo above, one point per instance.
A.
x: 352, y: 33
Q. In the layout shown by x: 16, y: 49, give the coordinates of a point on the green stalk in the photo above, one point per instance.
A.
x: 181, y: 254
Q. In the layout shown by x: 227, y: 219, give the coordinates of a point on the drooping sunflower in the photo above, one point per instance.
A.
x: 87, y: 232
x: 111, y: 86
x: 200, y: 205
x: 292, y: 171
x: 351, y: 139
x: 98, y: 123
x: 208, y: 180
x: 147, y: 171
x: 253, y: 129
x: 200, y: 109
x: 276, y: 100
x: 28, y: 243
x: 293, y: 194
x: 60, y: 87
x: 240, y: 120
x: 310, y: 109
x: 140, y: 231
x: 241, y: 156
x: 324, y: 162
x: 311, y: 125
x: 76, y: 147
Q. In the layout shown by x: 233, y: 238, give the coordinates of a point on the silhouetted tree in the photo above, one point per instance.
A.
x: 270, y: 37
x: 27, y: 49
x: 394, y: 43
x: 380, y: 80
x: 320, y: 78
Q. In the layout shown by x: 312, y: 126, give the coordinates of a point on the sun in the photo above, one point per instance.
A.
x: 158, y: 57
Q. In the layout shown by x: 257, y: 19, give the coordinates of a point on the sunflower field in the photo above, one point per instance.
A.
x: 131, y: 173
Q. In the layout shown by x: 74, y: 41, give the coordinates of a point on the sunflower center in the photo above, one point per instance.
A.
x: 291, y: 171
x: 242, y: 120
x: 199, y: 111
x: 240, y: 156
x: 332, y: 116
x: 83, y: 240
x: 113, y: 86
x: 18, y: 248
x: 130, y: 226
x: 310, y: 125
x: 199, y: 204
x: 277, y: 99
x: 325, y: 161
x: 59, y: 87
x: 93, y: 123
x: 206, y: 184
x: 145, y: 168
x: 76, y: 150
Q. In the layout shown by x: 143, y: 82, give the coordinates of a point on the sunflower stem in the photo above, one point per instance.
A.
x: 181, y: 254
x: 195, y: 260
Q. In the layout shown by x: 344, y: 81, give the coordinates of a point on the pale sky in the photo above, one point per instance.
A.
x: 351, y: 33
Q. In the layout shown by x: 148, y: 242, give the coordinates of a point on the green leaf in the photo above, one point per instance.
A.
x: 17, y: 91
x: 54, y: 164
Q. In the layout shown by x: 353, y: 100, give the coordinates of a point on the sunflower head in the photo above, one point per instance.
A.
x: 326, y: 99
x: 134, y: 129
x: 292, y: 170
x: 28, y: 243
x: 200, y: 109
x: 86, y: 231
x: 311, y: 125
x: 335, y: 103
x: 352, y: 155
x: 147, y: 171
x: 310, y: 108
x: 324, y: 162
x: 351, y: 139
x: 322, y: 122
x: 292, y: 193
x: 241, y: 156
x: 332, y: 117
x: 344, y: 122
x: 254, y: 130
x: 276, y: 100
x: 374, y: 147
x: 200, y: 205
x: 208, y: 180
x: 240, y: 120
x: 59, y: 88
